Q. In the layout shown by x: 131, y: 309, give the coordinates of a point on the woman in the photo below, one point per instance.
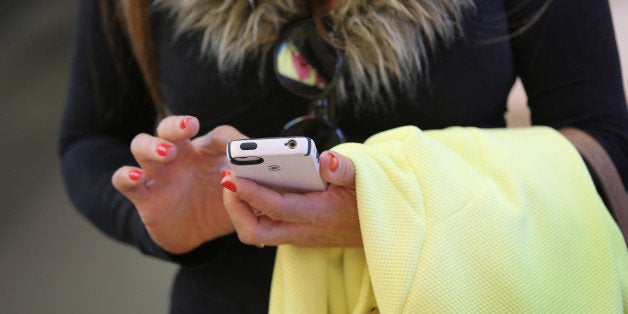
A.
x: 430, y: 64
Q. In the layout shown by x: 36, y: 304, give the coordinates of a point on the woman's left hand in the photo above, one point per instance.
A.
x: 325, y: 219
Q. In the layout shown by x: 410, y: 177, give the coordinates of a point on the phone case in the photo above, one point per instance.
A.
x: 286, y: 164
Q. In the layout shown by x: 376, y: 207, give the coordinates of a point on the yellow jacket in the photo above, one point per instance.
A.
x: 465, y: 220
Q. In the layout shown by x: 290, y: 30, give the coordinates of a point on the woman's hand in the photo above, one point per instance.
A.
x: 327, y: 219
x: 176, y: 188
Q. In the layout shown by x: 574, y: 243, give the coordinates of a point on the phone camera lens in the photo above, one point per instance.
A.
x: 292, y: 144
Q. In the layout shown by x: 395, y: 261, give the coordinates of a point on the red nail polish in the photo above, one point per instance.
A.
x: 229, y: 185
x: 333, y: 162
x: 135, y: 175
x: 184, y: 123
x: 225, y: 173
x: 162, y: 150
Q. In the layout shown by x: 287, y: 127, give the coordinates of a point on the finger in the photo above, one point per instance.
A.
x: 177, y: 128
x: 152, y: 152
x: 289, y: 207
x: 257, y: 230
x: 244, y: 220
x: 130, y: 181
x: 273, y: 232
x: 215, y: 142
x: 337, y: 169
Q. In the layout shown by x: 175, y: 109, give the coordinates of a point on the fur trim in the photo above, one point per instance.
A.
x: 385, y: 41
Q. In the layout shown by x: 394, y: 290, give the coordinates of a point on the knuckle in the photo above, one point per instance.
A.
x: 222, y: 130
x: 225, y: 133
x: 216, y: 140
x: 347, y: 171
x: 166, y: 125
x: 139, y: 142
x: 279, y: 212
x: 318, y: 219
x: 283, y: 212
x: 321, y: 218
x: 278, y: 215
x: 249, y: 237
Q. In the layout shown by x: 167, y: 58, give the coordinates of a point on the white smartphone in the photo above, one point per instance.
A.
x: 286, y: 164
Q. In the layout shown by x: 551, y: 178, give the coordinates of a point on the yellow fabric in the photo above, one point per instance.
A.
x: 465, y: 220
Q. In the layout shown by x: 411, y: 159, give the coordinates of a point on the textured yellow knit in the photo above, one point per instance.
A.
x: 465, y: 220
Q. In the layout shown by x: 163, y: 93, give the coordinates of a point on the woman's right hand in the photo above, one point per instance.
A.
x: 176, y: 187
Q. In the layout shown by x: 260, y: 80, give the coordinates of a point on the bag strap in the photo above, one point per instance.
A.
x: 610, y: 182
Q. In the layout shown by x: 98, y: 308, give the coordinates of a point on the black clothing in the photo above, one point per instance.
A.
x: 567, y: 61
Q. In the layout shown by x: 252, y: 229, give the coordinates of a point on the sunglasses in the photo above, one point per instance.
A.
x: 309, y: 66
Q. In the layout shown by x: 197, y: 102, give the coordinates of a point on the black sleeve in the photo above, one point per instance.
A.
x: 569, y: 65
x: 107, y: 105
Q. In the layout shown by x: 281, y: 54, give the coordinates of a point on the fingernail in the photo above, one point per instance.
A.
x: 184, y: 123
x: 162, y: 150
x: 333, y: 162
x: 229, y: 185
x: 135, y: 175
x: 225, y: 173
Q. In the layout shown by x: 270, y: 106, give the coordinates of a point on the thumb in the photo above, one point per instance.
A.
x: 218, y: 138
x: 337, y: 169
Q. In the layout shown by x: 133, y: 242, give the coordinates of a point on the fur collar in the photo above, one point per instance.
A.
x: 385, y: 41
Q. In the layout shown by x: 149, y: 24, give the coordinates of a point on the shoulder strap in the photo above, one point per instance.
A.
x: 608, y: 176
